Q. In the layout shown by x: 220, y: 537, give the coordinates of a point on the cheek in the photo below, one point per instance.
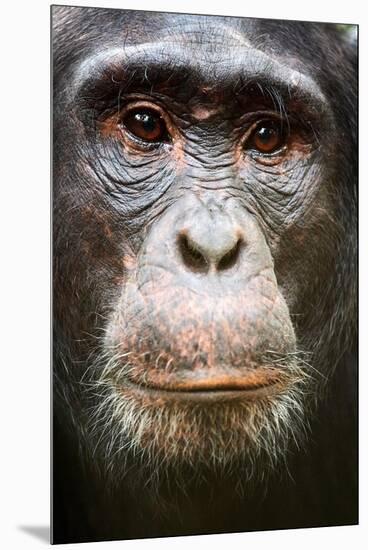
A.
x: 134, y: 164
x: 283, y: 193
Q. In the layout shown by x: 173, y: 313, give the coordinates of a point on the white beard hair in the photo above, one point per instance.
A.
x: 246, y: 439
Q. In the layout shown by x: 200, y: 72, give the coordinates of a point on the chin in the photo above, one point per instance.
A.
x: 198, y: 427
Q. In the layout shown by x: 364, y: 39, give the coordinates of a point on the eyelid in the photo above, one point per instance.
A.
x: 133, y: 105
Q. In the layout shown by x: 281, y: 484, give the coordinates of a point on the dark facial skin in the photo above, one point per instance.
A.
x: 204, y: 277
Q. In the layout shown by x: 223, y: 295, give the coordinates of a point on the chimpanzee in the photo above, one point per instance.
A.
x: 204, y: 193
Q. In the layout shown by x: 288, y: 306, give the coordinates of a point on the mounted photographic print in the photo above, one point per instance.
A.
x: 205, y: 257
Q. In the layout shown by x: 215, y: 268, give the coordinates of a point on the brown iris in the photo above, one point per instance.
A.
x: 146, y: 124
x: 268, y: 137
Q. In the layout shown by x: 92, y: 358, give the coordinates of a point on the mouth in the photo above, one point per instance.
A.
x: 254, y: 385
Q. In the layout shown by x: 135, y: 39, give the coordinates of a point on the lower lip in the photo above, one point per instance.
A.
x: 207, y: 395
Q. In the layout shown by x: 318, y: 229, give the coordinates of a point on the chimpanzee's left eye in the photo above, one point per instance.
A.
x: 268, y: 137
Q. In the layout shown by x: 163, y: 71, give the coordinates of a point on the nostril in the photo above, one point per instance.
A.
x: 192, y: 257
x: 230, y: 259
x: 218, y: 254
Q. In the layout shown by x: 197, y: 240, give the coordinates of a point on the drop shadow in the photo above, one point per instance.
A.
x: 41, y: 532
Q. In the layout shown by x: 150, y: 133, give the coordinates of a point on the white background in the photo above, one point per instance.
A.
x: 25, y: 278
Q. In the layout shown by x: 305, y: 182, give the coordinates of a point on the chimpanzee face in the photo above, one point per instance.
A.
x: 195, y: 188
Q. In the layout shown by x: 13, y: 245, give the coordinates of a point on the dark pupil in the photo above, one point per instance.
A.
x: 148, y: 122
x: 265, y: 134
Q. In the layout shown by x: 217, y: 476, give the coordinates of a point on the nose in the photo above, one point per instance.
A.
x: 211, y: 241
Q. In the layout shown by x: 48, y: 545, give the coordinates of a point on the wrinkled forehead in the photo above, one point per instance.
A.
x: 212, y: 37
x: 209, y: 33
